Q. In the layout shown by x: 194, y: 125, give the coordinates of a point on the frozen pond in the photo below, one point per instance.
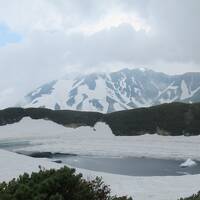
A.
x: 130, y: 165
x: 14, y: 144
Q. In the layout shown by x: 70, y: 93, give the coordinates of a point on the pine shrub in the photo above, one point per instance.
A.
x: 61, y: 184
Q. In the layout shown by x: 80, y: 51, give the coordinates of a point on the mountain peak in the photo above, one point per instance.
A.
x: 108, y: 92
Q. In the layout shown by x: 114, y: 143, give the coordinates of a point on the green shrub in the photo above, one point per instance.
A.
x: 62, y: 184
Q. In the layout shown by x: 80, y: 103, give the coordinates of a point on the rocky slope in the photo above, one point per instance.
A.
x: 109, y: 92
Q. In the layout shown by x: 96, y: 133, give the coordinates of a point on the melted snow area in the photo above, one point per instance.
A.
x: 47, y: 136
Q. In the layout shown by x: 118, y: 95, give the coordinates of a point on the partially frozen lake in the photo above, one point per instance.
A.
x: 143, y: 181
x: 14, y: 144
x: 130, y: 165
x: 124, y: 165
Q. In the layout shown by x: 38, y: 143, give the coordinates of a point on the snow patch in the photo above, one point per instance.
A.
x: 143, y: 69
x: 30, y: 128
x: 188, y: 163
x: 12, y: 165
x: 185, y: 91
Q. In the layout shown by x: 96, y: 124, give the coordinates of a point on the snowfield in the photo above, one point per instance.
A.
x: 141, y: 188
x: 48, y: 136
x: 12, y: 165
x: 30, y: 129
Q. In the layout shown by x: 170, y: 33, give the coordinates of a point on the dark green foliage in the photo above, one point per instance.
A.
x: 65, y: 117
x: 193, y: 197
x: 170, y: 119
x: 165, y: 119
x: 62, y: 184
x: 11, y: 115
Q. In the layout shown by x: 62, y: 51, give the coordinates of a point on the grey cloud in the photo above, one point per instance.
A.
x: 50, y: 51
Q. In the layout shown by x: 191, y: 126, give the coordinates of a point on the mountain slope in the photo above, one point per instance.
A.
x: 109, y: 92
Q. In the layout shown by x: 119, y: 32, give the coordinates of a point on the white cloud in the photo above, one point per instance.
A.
x: 112, y: 21
x: 63, y: 36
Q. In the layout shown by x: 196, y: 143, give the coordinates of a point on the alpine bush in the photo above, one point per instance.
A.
x: 61, y: 184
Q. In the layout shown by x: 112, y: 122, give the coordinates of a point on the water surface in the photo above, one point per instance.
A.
x: 130, y: 165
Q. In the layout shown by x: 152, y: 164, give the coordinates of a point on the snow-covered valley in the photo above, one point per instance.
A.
x: 43, y: 135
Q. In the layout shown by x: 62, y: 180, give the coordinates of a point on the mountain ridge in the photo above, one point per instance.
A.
x: 121, y: 90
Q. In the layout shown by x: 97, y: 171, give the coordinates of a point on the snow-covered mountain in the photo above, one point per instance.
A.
x: 108, y: 92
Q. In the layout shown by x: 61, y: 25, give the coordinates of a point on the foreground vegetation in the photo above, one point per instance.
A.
x: 165, y: 119
x: 62, y: 184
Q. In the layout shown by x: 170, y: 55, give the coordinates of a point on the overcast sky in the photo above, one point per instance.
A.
x: 41, y: 40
